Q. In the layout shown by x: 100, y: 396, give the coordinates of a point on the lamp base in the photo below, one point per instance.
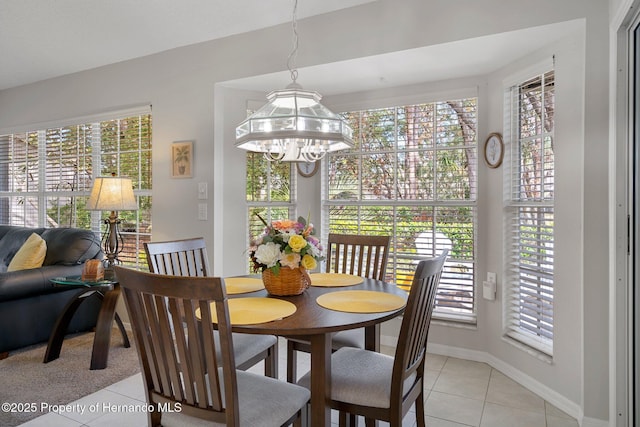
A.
x: 112, y: 245
x: 109, y: 273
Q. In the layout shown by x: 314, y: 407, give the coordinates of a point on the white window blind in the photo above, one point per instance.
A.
x: 412, y: 175
x: 46, y: 176
x: 530, y: 215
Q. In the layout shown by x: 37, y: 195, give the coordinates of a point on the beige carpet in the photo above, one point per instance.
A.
x: 24, y: 379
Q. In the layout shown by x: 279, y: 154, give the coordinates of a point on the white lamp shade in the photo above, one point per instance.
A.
x: 112, y: 193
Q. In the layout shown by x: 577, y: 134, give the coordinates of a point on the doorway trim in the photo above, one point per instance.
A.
x: 625, y: 113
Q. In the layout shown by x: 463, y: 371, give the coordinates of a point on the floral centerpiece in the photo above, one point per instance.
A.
x: 284, y: 253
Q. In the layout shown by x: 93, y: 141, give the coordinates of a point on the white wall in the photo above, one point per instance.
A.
x: 185, y: 87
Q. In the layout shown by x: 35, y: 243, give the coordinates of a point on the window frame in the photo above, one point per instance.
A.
x: 513, y: 207
x: 43, y: 194
x: 270, y: 206
x: 411, y: 101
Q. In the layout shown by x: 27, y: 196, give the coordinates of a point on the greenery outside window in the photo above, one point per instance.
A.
x: 46, y: 176
x: 412, y: 175
x: 270, y: 190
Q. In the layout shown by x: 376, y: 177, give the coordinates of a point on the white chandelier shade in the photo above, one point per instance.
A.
x: 294, y: 126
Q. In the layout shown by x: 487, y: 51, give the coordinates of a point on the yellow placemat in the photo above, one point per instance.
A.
x: 251, y: 311
x: 359, y: 301
x: 242, y: 285
x: 334, y: 279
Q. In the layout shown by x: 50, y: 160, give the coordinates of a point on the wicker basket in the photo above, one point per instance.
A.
x: 289, y: 281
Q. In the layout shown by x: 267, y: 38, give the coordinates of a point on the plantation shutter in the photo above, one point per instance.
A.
x: 530, y: 216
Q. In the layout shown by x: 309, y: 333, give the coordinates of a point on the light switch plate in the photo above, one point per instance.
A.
x: 202, y: 191
x: 491, y: 277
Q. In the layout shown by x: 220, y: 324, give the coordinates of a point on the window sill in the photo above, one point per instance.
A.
x: 455, y: 321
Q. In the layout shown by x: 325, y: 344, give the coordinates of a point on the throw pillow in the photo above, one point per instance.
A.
x: 30, y: 255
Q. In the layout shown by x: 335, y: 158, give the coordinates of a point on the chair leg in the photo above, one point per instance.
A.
x: 303, y: 419
x: 292, y: 363
x: 420, y: 410
x: 271, y: 362
x: 298, y: 421
x: 154, y: 418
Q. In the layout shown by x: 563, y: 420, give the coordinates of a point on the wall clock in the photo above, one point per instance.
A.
x: 494, y: 150
x: 308, y: 169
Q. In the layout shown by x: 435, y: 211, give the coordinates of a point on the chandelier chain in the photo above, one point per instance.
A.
x: 291, y: 59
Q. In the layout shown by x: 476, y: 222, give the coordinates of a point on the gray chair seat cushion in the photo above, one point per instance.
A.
x: 348, y: 338
x: 255, y: 406
x: 360, y: 377
x: 246, y: 346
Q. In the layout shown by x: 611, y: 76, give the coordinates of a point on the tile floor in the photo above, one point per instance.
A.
x: 459, y: 393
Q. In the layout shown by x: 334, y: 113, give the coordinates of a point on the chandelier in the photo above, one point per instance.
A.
x: 293, y: 126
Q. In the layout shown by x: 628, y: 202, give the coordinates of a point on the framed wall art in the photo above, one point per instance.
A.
x: 182, y: 159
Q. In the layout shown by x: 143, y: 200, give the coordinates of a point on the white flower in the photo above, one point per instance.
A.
x: 268, y: 254
x: 314, y: 251
x: 291, y: 260
x: 286, y: 234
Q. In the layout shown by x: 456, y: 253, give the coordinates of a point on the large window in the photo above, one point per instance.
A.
x: 530, y: 218
x: 412, y: 175
x: 46, y: 176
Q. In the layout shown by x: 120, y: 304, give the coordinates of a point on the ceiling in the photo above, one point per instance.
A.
x: 42, y: 39
x: 465, y: 58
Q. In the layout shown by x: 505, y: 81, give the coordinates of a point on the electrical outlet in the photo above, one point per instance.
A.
x: 202, y: 211
x: 489, y: 290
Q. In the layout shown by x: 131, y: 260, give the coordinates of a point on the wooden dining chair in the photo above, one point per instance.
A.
x: 360, y: 255
x: 188, y: 257
x: 357, y: 254
x: 179, y: 364
x: 381, y: 387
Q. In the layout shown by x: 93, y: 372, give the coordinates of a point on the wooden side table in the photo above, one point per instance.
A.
x: 109, y: 292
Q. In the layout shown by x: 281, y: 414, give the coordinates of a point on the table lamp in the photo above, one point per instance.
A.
x: 112, y: 193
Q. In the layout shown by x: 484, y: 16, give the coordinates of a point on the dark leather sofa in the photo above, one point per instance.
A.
x: 29, y: 303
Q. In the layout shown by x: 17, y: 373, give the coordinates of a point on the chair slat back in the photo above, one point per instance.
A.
x: 412, y: 341
x: 171, y: 318
x: 186, y: 257
x: 360, y: 255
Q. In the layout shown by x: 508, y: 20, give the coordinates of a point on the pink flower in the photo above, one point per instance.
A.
x: 291, y: 260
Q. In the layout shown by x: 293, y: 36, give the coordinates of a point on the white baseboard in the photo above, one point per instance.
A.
x: 593, y: 422
x: 559, y: 401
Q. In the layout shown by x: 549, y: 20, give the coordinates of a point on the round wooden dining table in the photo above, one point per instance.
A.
x: 316, y: 324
